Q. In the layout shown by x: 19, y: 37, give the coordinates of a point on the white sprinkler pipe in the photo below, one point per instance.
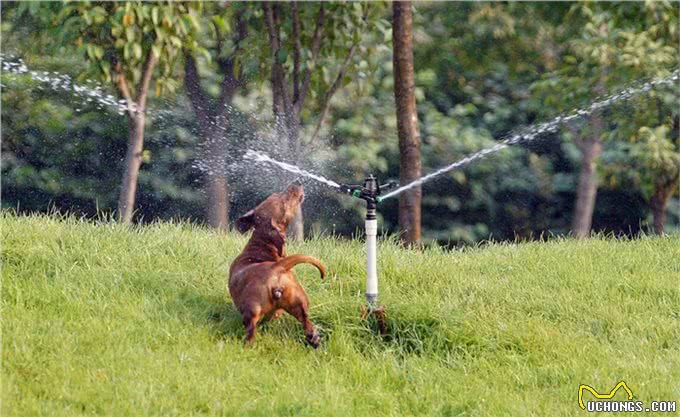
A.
x: 371, y: 261
x: 370, y: 192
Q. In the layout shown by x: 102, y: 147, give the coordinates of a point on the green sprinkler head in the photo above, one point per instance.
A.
x: 369, y: 191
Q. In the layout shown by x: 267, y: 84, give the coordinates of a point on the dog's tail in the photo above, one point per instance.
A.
x: 277, y: 293
x: 289, y: 262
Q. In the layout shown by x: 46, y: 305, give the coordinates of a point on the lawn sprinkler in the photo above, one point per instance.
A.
x: 370, y: 192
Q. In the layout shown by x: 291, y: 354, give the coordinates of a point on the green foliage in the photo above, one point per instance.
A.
x: 466, y: 99
x: 118, y: 37
x: 605, y: 47
x: 111, y: 320
x: 66, y: 154
x: 657, y: 156
x: 344, y: 25
x: 214, y: 41
x: 482, y: 71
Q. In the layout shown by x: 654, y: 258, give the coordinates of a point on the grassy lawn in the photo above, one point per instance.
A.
x: 100, y: 319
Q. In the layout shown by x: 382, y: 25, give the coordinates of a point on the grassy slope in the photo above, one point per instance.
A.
x: 103, y: 320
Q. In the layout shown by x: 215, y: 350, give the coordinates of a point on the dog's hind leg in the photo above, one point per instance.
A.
x: 299, y: 311
x: 250, y: 319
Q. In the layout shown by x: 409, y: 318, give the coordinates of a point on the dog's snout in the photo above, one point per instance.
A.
x: 296, y: 189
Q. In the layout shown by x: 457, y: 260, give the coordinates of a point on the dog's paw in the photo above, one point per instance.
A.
x: 314, y: 340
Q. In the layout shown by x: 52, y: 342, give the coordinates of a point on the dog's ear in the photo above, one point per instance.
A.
x: 279, y: 227
x: 246, y: 222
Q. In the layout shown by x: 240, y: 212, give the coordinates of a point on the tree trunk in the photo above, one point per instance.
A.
x: 213, y: 125
x: 586, y: 193
x: 217, y: 193
x: 216, y: 182
x: 289, y: 130
x: 407, y: 120
x: 133, y: 161
x: 217, y: 189
x: 136, y: 118
x: 659, y: 202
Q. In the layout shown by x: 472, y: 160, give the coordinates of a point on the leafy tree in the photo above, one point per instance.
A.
x: 61, y: 152
x: 128, y: 44
x: 476, y: 63
x: 652, y: 128
x: 659, y: 158
x: 604, y: 48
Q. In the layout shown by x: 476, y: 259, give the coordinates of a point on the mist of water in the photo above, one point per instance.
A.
x: 233, y: 132
x: 91, y: 92
x: 533, y: 132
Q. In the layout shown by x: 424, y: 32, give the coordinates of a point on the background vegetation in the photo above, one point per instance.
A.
x: 482, y: 70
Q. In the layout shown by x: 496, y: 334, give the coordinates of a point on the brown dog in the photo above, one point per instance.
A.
x: 261, y: 282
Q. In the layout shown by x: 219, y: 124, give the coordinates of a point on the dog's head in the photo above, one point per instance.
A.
x: 276, y: 212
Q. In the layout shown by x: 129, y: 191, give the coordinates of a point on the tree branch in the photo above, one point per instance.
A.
x: 297, y: 48
x: 336, y: 83
x: 271, y: 29
x: 576, y: 135
x: 230, y: 80
x: 241, y: 35
x: 218, y: 38
x: 147, y: 75
x: 331, y: 91
x: 316, y: 47
x: 278, y: 76
x: 124, y: 88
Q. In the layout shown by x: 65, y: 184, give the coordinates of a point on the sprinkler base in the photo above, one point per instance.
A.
x: 375, y: 314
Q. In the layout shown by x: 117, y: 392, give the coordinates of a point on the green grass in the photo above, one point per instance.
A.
x: 100, y: 319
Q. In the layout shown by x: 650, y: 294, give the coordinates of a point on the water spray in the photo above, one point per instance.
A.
x: 370, y: 193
